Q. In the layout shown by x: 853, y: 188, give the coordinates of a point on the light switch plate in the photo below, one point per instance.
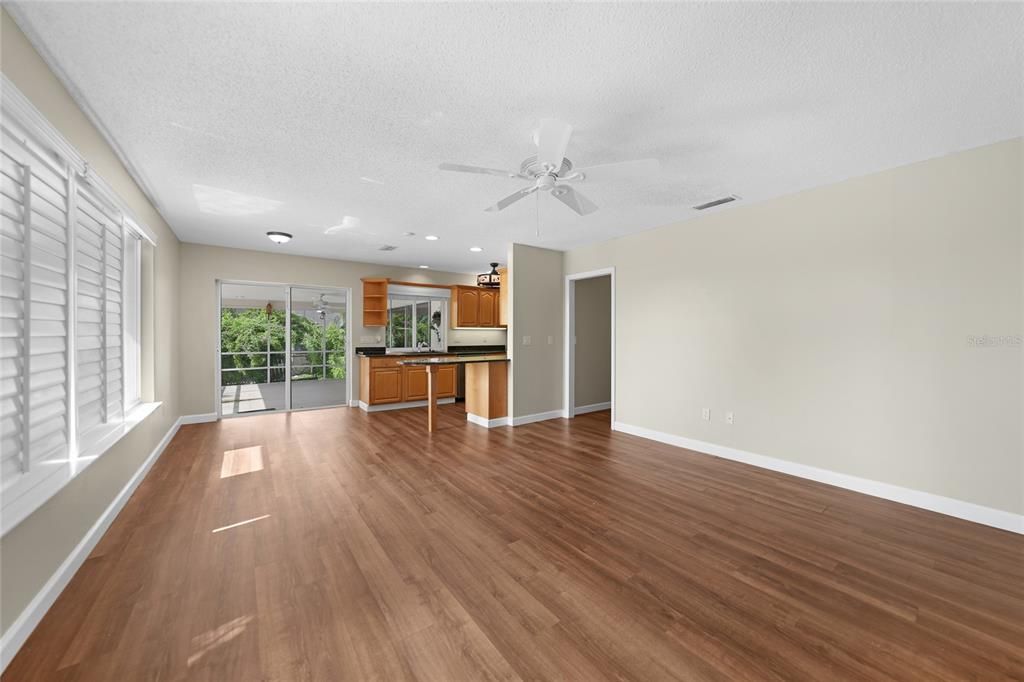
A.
x: 706, y: 414
x: 527, y: 340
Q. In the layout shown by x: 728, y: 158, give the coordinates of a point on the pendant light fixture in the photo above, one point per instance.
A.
x: 489, y: 279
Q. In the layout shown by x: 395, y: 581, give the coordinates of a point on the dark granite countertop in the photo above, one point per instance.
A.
x: 454, y: 359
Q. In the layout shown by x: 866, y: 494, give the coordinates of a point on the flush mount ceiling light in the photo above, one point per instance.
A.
x: 431, y: 237
x: 424, y: 267
x: 475, y: 249
x: 489, y: 279
x: 279, y: 237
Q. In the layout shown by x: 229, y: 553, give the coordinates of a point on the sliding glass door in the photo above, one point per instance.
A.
x: 318, y: 360
x: 281, y: 347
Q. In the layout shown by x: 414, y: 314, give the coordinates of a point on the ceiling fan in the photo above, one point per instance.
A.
x: 550, y: 171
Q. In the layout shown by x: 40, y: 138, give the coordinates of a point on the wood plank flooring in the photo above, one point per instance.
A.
x: 337, y: 545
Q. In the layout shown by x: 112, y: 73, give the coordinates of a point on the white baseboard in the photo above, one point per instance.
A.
x: 486, y: 423
x: 538, y: 417
x: 353, y: 403
x: 26, y: 622
x: 596, y: 407
x: 366, y: 407
x: 198, y: 418
x: 967, y: 511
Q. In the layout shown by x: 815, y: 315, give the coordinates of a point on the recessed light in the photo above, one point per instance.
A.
x: 431, y: 237
x: 279, y: 237
x: 475, y: 249
x: 424, y: 267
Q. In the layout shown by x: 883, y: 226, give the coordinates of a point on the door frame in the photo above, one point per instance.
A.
x: 287, y: 289
x: 569, y: 360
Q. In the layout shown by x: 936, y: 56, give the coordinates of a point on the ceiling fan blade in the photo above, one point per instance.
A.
x: 574, y: 200
x: 458, y: 167
x: 552, y: 139
x: 640, y: 169
x: 512, y: 198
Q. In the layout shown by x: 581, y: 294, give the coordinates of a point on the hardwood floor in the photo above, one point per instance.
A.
x: 337, y: 545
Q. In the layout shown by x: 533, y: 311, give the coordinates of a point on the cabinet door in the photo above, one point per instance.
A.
x: 469, y: 307
x: 488, y: 308
x: 385, y: 385
x: 445, y: 381
x: 414, y: 380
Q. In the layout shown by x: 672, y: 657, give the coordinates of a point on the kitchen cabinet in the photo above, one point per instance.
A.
x: 414, y: 383
x: 446, y: 377
x: 488, y: 313
x: 503, y: 298
x: 375, y: 301
x: 385, y: 385
x: 474, y: 307
x: 383, y: 381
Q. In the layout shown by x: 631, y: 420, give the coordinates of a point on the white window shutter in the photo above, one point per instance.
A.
x: 13, y: 368
x: 49, y: 361
x: 93, y: 221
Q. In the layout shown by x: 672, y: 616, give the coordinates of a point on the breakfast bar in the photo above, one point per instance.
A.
x: 486, y: 386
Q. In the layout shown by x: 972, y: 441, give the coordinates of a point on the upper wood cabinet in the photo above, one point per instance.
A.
x: 503, y: 298
x: 474, y: 307
x: 375, y: 302
x: 488, y: 315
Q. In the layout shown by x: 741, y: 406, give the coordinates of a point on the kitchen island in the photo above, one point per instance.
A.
x: 486, y: 386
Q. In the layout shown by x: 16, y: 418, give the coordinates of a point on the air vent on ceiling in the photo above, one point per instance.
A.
x: 716, y: 202
x: 387, y: 247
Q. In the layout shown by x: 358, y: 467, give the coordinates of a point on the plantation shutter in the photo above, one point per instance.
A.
x: 35, y: 293
x: 99, y: 250
x: 13, y: 368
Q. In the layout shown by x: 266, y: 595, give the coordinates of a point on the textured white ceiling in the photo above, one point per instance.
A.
x: 292, y: 116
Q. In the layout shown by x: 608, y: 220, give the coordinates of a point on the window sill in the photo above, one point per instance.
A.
x: 31, y: 491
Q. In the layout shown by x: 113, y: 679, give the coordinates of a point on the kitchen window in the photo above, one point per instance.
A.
x: 417, y: 322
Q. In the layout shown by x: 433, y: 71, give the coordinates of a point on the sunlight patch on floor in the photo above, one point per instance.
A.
x: 241, y: 461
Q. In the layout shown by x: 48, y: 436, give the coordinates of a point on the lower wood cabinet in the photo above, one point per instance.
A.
x: 446, y: 381
x: 414, y: 383
x: 385, y: 385
x: 383, y: 380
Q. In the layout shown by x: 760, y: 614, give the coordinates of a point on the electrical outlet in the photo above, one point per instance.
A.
x: 527, y: 340
x: 706, y: 414
x: 728, y: 418
x: 551, y: 340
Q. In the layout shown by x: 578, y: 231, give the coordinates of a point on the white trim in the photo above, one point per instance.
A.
x: 198, y: 418
x: 569, y: 352
x: 538, y: 417
x: 595, y: 407
x: 366, y: 407
x: 27, y: 620
x: 960, y: 509
x: 353, y: 403
x: 486, y: 423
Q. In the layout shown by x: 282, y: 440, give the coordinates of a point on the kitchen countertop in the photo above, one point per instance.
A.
x: 453, y: 359
x: 456, y: 352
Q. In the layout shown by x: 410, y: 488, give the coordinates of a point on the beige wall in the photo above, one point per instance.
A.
x: 834, y: 323
x: 593, y: 376
x: 536, y: 312
x: 202, y: 266
x: 32, y: 551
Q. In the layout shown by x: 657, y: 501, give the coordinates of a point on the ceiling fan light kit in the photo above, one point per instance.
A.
x: 550, y: 171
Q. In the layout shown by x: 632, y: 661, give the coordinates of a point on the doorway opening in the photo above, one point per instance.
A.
x: 281, y: 347
x: 589, y: 381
